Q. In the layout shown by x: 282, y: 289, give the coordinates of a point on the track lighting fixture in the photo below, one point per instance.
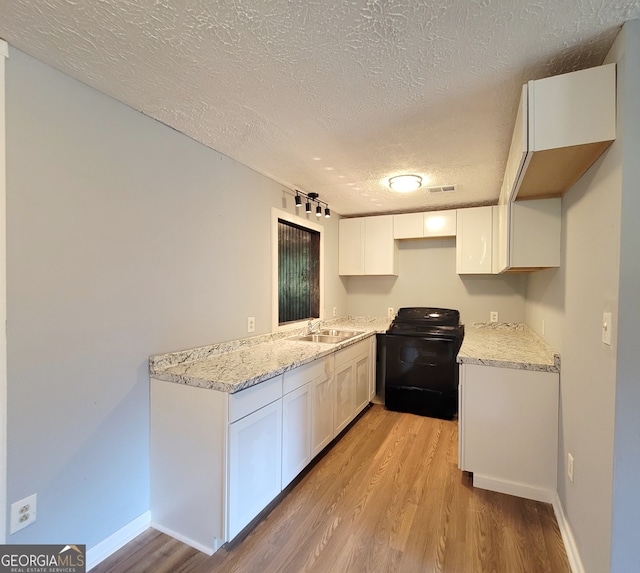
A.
x: 312, y: 197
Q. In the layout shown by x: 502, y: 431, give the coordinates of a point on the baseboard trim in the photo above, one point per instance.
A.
x: 514, y: 488
x: 120, y: 538
x: 575, y: 562
x: 188, y: 541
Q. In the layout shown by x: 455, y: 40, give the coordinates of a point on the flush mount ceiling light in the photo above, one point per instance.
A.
x: 405, y: 183
x: 312, y: 197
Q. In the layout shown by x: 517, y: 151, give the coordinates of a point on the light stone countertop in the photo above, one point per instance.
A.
x: 507, y: 345
x: 236, y: 365
x: 239, y: 364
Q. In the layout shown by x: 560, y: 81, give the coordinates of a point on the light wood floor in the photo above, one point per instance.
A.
x: 387, y: 497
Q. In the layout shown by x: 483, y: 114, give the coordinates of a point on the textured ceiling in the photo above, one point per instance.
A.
x: 329, y: 96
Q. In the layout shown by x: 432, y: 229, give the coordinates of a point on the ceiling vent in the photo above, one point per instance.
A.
x: 442, y: 189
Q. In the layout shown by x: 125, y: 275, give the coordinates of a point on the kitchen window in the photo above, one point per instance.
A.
x: 298, y: 246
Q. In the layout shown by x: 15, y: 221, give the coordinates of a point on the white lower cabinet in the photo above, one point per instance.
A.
x: 372, y: 368
x: 322, y: 400
x: 218, y: 459
x: 255, y: 464
x: 307, y: 414
x: 345, y: 404
x: 508, y: 429
x: 353, y: 383
x: 362, y: 386
x: 296, y: 432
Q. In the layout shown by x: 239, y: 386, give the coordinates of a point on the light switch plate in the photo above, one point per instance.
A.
x: 607, y: 326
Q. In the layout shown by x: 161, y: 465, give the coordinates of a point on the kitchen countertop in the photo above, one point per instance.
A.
x: 239, y: 364
x: 507, y: 345
x: 236, y: 365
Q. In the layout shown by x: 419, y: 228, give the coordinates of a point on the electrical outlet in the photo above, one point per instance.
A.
x: 543, y: 327
x: 251, y: 324
x: 335, y: 311
x: 493, y: 316
x: 390, y: 312
x: 23, y: 513
x: 570, y: 467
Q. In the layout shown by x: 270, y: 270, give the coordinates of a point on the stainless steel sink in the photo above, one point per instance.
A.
x: 328, y: 336
x: 341, y: 333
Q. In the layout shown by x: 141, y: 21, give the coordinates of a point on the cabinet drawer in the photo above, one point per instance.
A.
x: 302, y: 375
x: 247, y: 401
x: 351, y: 352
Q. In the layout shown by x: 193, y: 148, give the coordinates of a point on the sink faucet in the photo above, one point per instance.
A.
x: 311, y: 326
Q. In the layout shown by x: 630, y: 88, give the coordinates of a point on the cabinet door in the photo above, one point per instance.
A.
x: 322, y: 426
x: 516, y: 160
x: 372, y: 368
x: 380, y: 249
x: 440, y: 223
x: 577, y: 108
x: 351, y: 246
x: 361, y: 379
x: 345, y: 403
x: 420, y: 225
x: 462, y: 460
x: 296, y: 433
x: 474, y: 241
x: 534, y: 233
x: 408, y: 226
x: 255, y: 465
x: 509, y: 426
x: 502, y: 224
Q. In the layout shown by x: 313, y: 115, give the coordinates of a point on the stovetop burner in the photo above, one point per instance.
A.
x: 420, y: 319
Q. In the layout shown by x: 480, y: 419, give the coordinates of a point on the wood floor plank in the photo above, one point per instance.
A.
x: 388, y: 497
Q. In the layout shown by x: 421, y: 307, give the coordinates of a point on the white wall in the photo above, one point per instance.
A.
x: 625, y: 550
x: 600, y: 273
x: 427, y: 277
x: 125, y: 239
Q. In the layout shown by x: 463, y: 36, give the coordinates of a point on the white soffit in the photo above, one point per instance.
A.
x: 329, y: 96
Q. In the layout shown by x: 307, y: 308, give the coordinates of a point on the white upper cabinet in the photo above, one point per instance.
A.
x: 474, y: 241
x: 408, y: 226
x: 351, y: 246
x: 564, y: 123
x: 367, y: 246
x: 421, y: 225
x: 529, y: 235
